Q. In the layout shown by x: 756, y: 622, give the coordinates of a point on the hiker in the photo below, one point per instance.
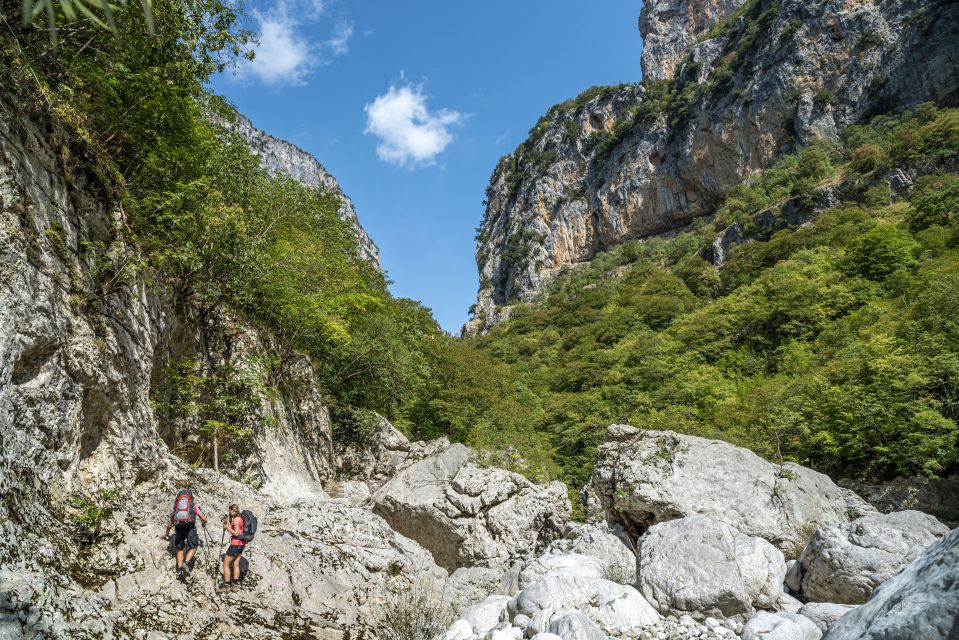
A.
x: 183, y: 519
x: 233, y: 523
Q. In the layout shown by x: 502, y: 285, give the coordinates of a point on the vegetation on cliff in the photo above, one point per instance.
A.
x: 832, y: 343
x: 204, y: 223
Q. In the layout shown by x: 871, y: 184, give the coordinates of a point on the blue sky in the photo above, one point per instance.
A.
x: 411, y: 104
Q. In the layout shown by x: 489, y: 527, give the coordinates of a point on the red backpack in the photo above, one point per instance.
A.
x: 183, y: 511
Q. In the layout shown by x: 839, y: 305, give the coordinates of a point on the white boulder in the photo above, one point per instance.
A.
x: 485, y: 616
x: 467, y: 515
x: 704, y: 566
x: 922, y: 601
x: 550, y: 564
x: 460, y: 630
x: 573, y: 625
x: 646, y: 477
x: 844, y: 563
x: 824, y: 614
x: 606, y: 603
x: 780, y: 626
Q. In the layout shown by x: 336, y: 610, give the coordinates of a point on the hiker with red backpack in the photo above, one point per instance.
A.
x: 183, y: 519
x: 242, y: 528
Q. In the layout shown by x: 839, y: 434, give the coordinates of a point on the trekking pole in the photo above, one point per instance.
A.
x: 209, y: 543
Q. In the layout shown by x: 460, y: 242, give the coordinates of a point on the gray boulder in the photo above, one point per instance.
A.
x: 702, y: 566
x: 567, y: 564
x: 844, y: 563
x: 922, y: 601
x: 824, y: 614
x: 485, y: 616
x: 468, y: 585
x: 645, y: 477
x: 780, y: 626
x: 788, y: 604
x: 573, y: 625
x: 606, y: 543
x: 467, y: 515
x: 380, y: 456
x: 604, y: 602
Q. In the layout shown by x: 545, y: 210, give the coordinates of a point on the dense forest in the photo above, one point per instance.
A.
x: 833, y: 342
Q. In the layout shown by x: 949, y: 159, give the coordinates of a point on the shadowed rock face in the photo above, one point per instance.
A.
x: 786, y: 73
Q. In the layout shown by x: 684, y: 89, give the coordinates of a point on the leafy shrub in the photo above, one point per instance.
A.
x: 824, y: 97
x: 867, y: 158
x: 882, y: 251
x: 935, y: 200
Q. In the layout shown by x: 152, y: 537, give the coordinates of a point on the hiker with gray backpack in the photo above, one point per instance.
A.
x: 242, y: 529
x: 183, y: 520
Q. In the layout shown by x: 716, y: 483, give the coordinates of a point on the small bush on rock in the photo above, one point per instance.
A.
x: 415, y: 612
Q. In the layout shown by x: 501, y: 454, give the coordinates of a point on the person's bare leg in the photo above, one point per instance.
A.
x: 190, y: 554
x: 226, y: 570
x: 236, y: 569
x: 179, y: 558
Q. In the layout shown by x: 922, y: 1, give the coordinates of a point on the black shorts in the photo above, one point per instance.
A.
x: 235, y: 549
x: 186, y: 537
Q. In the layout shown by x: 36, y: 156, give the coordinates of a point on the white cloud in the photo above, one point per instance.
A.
x: 339, y: 41
x: 409, y: 133
x: 282, y: 55
x: 287, y: 49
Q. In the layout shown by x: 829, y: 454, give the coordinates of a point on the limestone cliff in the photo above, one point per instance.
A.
x: 721, y: 101
x: 94, y: 436
x: 280, y: 156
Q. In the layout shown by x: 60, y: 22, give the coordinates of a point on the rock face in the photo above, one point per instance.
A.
x: 314, y: 565
x: 844, y: 563
x: 627, y: 162
x: 280, y: 156
x: 654, y: 476
x: 88, y: 427
x: 703, y: 566
x: 467, y: 515
x: 379, y: 458
x: 922, y: 601
x: 670, y: 27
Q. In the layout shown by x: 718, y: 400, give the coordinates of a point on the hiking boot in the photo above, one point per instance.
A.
x: 179, y: 572
x: 186, y: 570
x: 224, y: 588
